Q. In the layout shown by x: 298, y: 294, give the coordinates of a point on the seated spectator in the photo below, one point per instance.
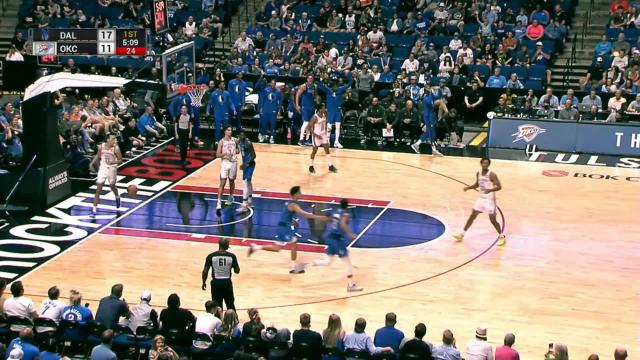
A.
x: 502, y: 109
x: 18, y: 304
x: 333, y: 335
x: 111, y: 308
x: 569, y: 96
x: 51, y: 308
x: 389, y: 336
x: 593, y: 99
x: 142, y: 314
x: 76, y: 312
x: 24, y: 342
x: 604, y: 46
x: 616, y: 102
x: 479, y: 348
x: 506, y: 352
x: 620, y: 353
x: 514, y: 82
x: 539, y: 15
x: 634, y: 106
x: 496, y: 80
x: 160, y: 347
x: 243, y: 42
x: 209, y: 323
x: 550, y: 98
x: 546, y: 110
x: 591, y: 115
x: 307, y: 336
x: 103, y: 351
x: 358, y: 340
x: 14, y: 54
x: 410, y: 65
x: 395, y: 24
x: 229, y: 327
x: 535, y: 31
x: 3, y: 287
x: 527, y: 110
x: 568, y: 112
x: 175, y: 317
x: 473, y: 97
x: 149, y: 126
x: 254, y: 320
x: 621, y: 44
x: 417, y: 345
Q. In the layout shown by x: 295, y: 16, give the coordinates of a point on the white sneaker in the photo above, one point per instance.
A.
x: 242, y: 209
x: 338, y: 145
x: 354, y: 288
x: 416, y: 148
x: 260, y: 138
x: 435, y: 152
x: 271, y: 140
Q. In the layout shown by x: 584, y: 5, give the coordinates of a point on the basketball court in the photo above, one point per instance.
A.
x: 568, y: 273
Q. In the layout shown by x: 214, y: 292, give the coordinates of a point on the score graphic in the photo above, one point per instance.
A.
x: 131, y: 42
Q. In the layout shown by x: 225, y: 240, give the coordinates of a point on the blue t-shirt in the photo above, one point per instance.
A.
x: 496, y: 81
x: 388, y: 336
x: 30, y: 351
x: 79, y: 314
x: 46, y: 355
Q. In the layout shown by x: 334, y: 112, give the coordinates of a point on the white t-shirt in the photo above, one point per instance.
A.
x: 51, y: 309
x: 209, y: 324
x: 19, y: 306
x: 410, y: 66
x: 376, y: 37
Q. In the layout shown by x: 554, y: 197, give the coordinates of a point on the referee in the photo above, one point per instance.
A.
x: 183, y: 132
x: 221, y: 262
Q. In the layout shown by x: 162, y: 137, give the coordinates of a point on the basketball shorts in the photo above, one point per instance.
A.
x: 319, y: 140
x: 485, y: 204
x: 307, y: 113
x: 228, y: 170
x: 286, y: 234
x: 334, y: 117
x: 107, y: 173
x: 247, y: 172
x: 337, y: 247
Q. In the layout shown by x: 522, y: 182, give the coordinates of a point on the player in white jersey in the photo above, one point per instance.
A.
x: 110, y: 157
x: 487, y: 184
x: 320, y: 137
x: 227, y: 151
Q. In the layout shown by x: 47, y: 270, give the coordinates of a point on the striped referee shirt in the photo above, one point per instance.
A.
x: 222, y: 262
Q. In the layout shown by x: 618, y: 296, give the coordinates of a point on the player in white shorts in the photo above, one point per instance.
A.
x: 110, y: 157
x: 320, y: 137
x: 487, y: 184
x: 227, y: 150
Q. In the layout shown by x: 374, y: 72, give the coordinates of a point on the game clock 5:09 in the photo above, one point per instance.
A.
x: 131, y: 42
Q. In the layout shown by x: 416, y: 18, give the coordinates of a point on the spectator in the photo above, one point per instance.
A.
x: 473, y: 97
x: 142, y: 314
x: 76, y: 312
x: 539, y: 15
x: 479, y: 348
x: 389, y: 336
x: 24, y: 342
x: 16, y: 354
x: 3, y: 287
x: 560, y: 352
x: 550, y: 98
x: 18, y: 304
x: 333, y: 335
x: 456, y: 43
x: 14, y: 54
x: 395, y: 25
x: 243, y: 42
x: 502, y: 109
x: 604, y: 46
x: 160, y: 347
x: 51, y: 308
x: 175, y: 317
x: 410, y: 65
x: 103, y: 351
x: 506, y: 352
x: 48, y: 348
x: 229, y: 327
x: 595, y: 73
x: 376, y: 37
x: 621, y: 44
x: 519, y: 31
x: 364, y: 82
x: 535, y: 31
x: 591, y: 115
x: 254, y: 321
x: 209, y: 322
x: 447, y: 351
x: 307, y: 336
x: 568, y: 112
x: 514, y: 82
x: 417, y: 345
x: 546, y: 111
x: 593, y: 99
x: 496, y: 80
x: 358, y: 340
x: 522, y: 56
x: 148, y: 126
x: 616, y: 102
x: 111, y: 308
x: 18, y: 41
x: 634, y: 106
x: 620, y: 353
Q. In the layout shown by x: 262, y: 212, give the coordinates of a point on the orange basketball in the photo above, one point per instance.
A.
x: 132, y: 190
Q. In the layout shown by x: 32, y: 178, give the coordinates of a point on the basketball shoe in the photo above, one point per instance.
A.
x: 333, y: 168
x: 502, y: 240
x: 354, y: 287
x: 458, y: 237
x: 312, y: 169
x: 298, y: 268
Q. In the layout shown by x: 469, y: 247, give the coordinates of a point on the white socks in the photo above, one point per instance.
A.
x: 303, y: 129
x: 337, y: 133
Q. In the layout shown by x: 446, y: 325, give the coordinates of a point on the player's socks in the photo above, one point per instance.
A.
x: 272, y: 140
x: 219, y: 208
x: 94, y: 210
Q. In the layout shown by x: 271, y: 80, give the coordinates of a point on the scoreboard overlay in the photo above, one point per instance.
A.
x: 132, y: 42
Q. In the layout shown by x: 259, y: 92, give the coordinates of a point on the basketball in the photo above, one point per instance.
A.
x: 132, y: 190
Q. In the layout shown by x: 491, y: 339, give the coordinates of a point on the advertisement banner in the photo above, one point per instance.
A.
x: 565, y: 136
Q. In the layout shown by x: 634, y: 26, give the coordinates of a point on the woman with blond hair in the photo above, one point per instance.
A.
x: 160, y: 347
x: 75, y: 311
x: 229, y: 327
x: 333, y: 335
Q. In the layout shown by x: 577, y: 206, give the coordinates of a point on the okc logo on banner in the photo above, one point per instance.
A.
x: 528, y: 132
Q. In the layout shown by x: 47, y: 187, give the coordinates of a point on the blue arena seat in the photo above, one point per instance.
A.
x: 537, y: 72
x: 521, y: 71
x: 533, y: 84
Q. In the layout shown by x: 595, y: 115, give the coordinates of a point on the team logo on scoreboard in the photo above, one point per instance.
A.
x: 527, y: 132
x: 42, y: 48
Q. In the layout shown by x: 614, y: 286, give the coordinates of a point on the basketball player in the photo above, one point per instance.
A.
x: 319, y: 137
x: 286, y: 230
x: 227, y: 150
x: 334, y: 106
x: 248, y: 154
x: 337, y: 233
x: 487, y: 182
x: 110, y: 157
x: 432, y: 98
x: 304, y: 102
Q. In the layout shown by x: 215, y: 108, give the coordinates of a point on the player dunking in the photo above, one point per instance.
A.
x: 320, y: 137
x: 304, y: 102
x: 487, y: 182
x: 286, y: 229
x: 110, y: 157
x: 227, y: 150
x: 248, y: 154
x: 337, y: 234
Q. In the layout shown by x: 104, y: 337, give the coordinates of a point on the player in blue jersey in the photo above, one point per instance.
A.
x: 223, y: 108
x: 305, y: 104
x: 334, y: 106
x: 248, y: 154
x: 287, y: 230
x: 431, y: 99
x: 237, y: 89
x: 336, y: 237
x: 269, y: 104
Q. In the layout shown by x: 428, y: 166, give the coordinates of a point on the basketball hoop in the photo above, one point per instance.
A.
x: 195, y: 92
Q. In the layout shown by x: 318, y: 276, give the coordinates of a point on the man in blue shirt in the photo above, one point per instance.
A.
x: 111, y: 308
x: 604, y: 46
x: 237, y: 89
x: 147, y: 124
x: 222, y: 106
x: 333, y: 97
x: 269, y: 104
x: 387, y: 76
x: 496, y: 80
x: 103, y: 351
x: 25, y: 343
x: 271, y: 69
x: 389, y: 336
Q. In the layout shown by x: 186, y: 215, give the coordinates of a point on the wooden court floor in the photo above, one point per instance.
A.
x: 569, y: 272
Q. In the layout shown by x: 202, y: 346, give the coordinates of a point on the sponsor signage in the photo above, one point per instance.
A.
x: 565, y: 136
x: 562, y: 173
x: 585, y: 159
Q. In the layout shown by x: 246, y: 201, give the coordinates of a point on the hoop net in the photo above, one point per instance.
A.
x: 195, y: 92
